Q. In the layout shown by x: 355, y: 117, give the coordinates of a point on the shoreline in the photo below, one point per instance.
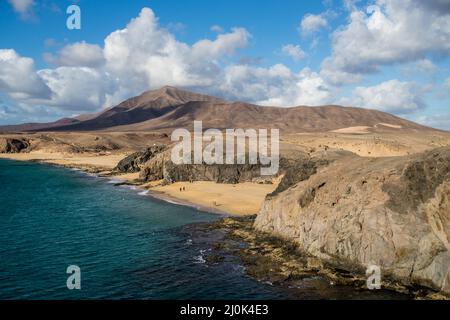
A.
x: 237, y: 231
x: 102, y: 165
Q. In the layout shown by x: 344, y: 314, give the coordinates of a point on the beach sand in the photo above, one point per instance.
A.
x: 237, y: 199
x: 84, y: 161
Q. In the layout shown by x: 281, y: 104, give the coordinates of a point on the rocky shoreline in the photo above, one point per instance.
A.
x: 280, y: 262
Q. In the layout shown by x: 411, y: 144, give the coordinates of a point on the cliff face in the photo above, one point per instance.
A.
x: 161, y: 167
x: 135, y: 161
x: 356, y: 212
x: 13, y: 145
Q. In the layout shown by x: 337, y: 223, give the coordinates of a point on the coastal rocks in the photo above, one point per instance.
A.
x: 160, y: 167
x: 280, y: 262
x: 135, y: 161
x: 13, y: 145
x: 298, y: 170
x: 356, y: 212
x: 217, y: 173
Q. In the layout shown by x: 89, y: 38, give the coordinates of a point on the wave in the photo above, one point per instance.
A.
x: 143, y: 193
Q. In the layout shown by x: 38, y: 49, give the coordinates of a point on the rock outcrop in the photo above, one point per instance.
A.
x: 135, y: 161
x: 357, y: 212
x: 161, y: 167
x: 13, y: 145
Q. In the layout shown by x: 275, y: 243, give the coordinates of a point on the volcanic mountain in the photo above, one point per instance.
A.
x: 169, y: 108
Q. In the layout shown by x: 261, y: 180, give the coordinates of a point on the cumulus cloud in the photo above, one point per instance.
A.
x: 391, y: 96
x: 145, y: 56
x: 76, y: 88
x: 293, y: 51
x: 312, y: 23
x: 388, y: 32
x: 69, y: 88
x: 275, y: 86
x: 18, y: 76
x: 80, y: 54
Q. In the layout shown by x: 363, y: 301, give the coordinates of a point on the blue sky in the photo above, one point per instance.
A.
x: 379, y: 54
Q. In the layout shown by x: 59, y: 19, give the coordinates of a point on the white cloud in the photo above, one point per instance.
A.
x: 391, y: 96
x: 389, y: 32
x: 275, y: 86
x: 439, y: 121
x: 216, y: 28
x: 70, y: 88
x: 140, y: 57
x: 145, y: 56
x: 425, y: 65
x: 80, y: 54
x: 76, y: 88
x: 225, y: 44
x: 293, y: 51
x: 18, y: 76
x: 312, y: 23
x: 23, y: 7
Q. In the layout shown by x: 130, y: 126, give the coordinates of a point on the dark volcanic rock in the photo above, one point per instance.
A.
x: 217, y: 173
x: 161, y: 167
x: 419, y: 180
x: 13, y: 145
x: 298, y: 170
x: 134, y: 162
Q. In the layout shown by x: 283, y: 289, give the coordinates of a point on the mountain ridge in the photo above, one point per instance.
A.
x: 170, y: 107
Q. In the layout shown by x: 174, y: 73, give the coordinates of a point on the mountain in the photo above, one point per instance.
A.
x: 38, y: 126
x: 169, y: 108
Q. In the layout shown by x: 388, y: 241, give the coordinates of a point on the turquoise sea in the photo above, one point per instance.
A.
x: 128, y: 246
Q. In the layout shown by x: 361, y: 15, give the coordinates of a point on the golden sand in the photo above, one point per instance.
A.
x: 238, y: 199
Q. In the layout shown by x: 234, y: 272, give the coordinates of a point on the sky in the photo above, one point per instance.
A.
x: 389, y: 55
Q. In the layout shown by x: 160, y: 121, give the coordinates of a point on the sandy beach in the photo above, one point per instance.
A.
x: 82, y: 161
x: 237, y: 199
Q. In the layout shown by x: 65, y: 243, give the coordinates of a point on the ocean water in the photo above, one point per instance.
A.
x: 128, y: 246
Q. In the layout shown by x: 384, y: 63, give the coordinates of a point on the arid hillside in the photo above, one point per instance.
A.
x: 169, y: 108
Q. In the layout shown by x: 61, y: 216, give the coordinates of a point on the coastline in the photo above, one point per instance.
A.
x: 262, y: 266
x: 221, y: 199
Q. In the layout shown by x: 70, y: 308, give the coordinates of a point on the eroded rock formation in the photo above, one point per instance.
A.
x: 356, y: 212
x: 13, y: 145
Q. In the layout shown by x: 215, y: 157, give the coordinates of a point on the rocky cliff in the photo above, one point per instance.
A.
x: 356, y: 212
x: 135, y: 161
x: 13, y: 145
x: 155, y: 163
x: 161, y: 167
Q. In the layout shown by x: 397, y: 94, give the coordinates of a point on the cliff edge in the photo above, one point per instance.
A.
x: 356, y: 212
